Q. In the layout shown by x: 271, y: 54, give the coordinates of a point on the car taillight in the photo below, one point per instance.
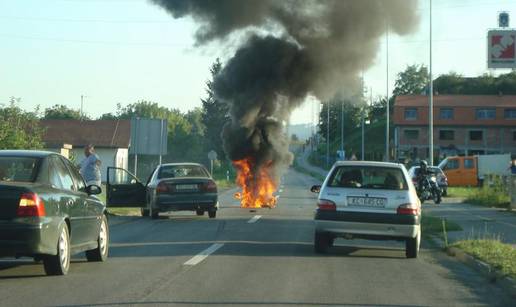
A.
x: 30, y: 205
x: 209, y: 186
x: 409, y: 209
x: 326, y: 205
x: 162, y: 188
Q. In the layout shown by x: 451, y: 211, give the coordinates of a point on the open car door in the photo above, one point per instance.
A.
x: 123, y: 189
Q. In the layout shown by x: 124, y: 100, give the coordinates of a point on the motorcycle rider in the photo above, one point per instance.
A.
x: 423, y: 173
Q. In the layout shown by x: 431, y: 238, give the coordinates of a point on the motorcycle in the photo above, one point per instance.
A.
x: 428, y: 188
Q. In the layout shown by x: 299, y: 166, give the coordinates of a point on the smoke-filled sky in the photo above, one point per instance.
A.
x: 285, y: 51
x: 121, y: 51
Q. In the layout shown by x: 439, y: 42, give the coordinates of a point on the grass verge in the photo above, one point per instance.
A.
x: 431, y: 225
x: 460, y: 191
x: 499, y: 255
x: 489, y: 197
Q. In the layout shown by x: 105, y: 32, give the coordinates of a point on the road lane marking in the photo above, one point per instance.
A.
x: 204, y: 254
x: 254, y: 219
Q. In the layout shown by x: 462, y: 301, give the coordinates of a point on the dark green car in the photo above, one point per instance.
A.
x: 47, y: 212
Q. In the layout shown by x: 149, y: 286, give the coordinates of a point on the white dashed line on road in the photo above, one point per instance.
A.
x: 254, y: 219
x: 204, y: 254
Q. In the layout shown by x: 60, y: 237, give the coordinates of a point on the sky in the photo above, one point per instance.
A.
x: 122, y: 51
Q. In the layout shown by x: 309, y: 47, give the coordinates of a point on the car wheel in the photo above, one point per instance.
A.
x: 199, y: 212
x: 101, y: 252
x: 321, y: 242
x: 60, y: 263
x: 212, y: 214
x: 412, y: 246
x: 145, y: 212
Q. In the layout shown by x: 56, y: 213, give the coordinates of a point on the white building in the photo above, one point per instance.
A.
x: 111, y: 139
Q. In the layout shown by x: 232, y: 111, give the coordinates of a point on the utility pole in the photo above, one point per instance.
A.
x: 328, y: 135
x: 431, y: 110
x: 363, y: 136
x: 387, y: 115
x: 82, y: 102
x: 342, y: 126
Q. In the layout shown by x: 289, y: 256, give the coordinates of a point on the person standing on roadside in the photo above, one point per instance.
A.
x: 90, y: 166
x: 512, y: 168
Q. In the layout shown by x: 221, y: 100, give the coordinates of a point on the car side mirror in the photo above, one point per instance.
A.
x: 93, y: 189
x: 316, y: 189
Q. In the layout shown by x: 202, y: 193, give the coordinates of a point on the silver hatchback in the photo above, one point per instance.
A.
x: 368, y: 200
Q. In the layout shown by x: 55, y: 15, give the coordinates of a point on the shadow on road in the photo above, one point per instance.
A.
x: 228, y: 303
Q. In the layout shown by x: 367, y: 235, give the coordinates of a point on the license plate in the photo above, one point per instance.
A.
x: 184, y: 187
x: 367, y: 202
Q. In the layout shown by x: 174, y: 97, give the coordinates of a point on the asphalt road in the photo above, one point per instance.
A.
x: 248, y: 260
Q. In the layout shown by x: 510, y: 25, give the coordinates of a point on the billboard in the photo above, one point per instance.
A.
x: 148, y: 136
x: 501, y: 49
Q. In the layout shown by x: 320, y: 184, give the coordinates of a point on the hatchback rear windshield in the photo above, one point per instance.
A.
x: 178, y: 171
x: 368, y: 177
x: 19, y: 169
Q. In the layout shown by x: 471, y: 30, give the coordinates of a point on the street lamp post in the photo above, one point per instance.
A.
x: 387, y: 112
x: 342, y: 126
x: 328, y: 135
x: 431, y: 110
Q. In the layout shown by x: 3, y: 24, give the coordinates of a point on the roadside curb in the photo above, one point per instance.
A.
x: 491, y: 274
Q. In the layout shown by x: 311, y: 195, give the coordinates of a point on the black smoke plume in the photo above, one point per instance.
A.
x: 310, y: 48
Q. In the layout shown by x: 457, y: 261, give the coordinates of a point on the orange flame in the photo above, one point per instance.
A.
x: 257, y: 188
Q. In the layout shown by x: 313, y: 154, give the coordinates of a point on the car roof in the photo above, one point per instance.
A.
x: 181, y: 164
x: 26, y: 153
x: 369, y: 163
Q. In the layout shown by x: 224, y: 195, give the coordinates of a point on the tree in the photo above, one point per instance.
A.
x: 486, y: 84
x: 412, y: 81
x: 60, y: 111
x: 19, y: 129
x: 215, y: 114
x: 352, y: 116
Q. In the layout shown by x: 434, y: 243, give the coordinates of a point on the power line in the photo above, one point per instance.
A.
x: 115, y: 21
x: 116, y: 43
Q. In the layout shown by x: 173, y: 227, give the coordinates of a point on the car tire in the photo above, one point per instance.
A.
x: 145, y: 212
x: 199, y: 212
x: 212, y: 214
x: 59, y: 264
x: 100, y: 254
x: 321, y: 242
x: 412, y: 246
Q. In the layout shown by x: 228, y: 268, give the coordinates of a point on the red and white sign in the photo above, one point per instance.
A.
x: 501, y: 50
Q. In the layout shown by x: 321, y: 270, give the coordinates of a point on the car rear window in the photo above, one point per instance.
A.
x: 179, y: 171
x: 18, y: 169
x: 368, y: 177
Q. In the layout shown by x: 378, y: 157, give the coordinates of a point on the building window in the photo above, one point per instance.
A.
x: 446, y: 135
x: 411, y: 134
x: 410, y: 114
x: 510, y: 113
x: 477, y: 135
x: 489, y: 113
x: 446, y: 113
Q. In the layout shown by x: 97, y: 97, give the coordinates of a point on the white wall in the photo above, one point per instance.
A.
x: 117, y: 157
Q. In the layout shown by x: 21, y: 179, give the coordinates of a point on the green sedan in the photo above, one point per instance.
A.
x: 47, y: 212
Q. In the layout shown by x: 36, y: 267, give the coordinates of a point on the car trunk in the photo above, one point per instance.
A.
x: 9, y: 199
x: 367, y: 200
x: 177, y: 186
